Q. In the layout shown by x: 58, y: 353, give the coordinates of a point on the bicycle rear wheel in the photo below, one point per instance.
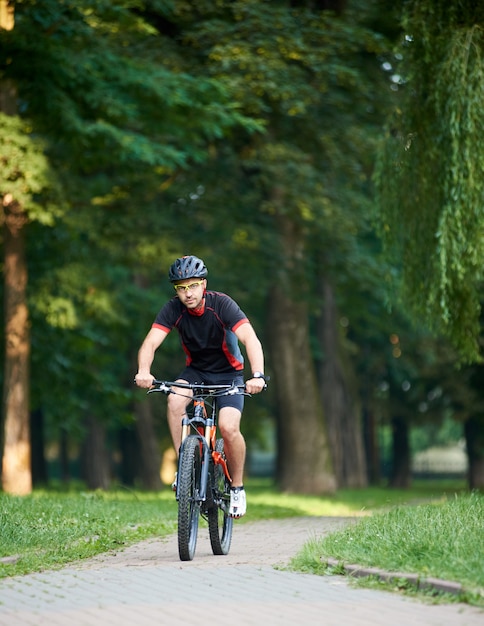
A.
x: 220, y: 525
x: 188, y: 478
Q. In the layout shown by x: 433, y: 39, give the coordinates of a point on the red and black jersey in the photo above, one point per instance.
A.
x: 208, y: 338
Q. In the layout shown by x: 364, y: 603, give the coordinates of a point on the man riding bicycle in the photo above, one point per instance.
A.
x: 210, y: 325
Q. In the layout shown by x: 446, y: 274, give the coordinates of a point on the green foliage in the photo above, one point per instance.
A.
x: 111, y: 109
x: 26, y: 174
x: 170, y: 125
x: 307, y: 75
x: 430, y: 171
x: 86, y: 308
x: 91, y: 77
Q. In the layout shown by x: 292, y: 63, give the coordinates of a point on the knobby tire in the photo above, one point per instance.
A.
x: 219, y: 523
x: 189, y: 474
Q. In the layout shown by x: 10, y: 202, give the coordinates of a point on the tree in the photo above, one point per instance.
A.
x: 25, y: 177
x: 430, y: 176
x: 305, y: 73
x: 430, y: 172
x: 90, y: 81
x: 153, y: 144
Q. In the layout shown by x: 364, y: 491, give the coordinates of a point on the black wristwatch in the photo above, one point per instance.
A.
x: 260, y: 375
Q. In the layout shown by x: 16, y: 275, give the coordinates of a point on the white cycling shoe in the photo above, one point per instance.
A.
x: 238, y: 502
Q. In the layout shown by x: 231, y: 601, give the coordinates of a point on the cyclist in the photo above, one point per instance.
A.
x: 210, y: 325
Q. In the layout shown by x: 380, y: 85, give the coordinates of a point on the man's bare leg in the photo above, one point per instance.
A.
x: 176, y: 411
x: 234, y: 443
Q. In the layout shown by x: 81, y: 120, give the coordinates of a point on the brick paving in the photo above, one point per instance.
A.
x: 147, y: 584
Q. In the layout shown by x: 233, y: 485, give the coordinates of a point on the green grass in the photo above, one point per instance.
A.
x: 443, y: 539
x: 49, y: 529
x: 266, y: 502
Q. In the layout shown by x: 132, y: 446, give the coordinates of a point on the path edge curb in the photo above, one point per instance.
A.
x: 421, y: 584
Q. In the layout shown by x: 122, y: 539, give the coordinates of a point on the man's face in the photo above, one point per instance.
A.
x: 190, y: 291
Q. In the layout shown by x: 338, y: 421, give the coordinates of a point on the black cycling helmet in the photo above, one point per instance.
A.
x: 187, y: 267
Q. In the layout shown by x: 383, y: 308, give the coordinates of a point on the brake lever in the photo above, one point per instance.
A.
x: 161, y: 387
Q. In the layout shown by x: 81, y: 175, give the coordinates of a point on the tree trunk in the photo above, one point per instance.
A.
x: 474, y: 435
x: 149, y: 448
x: 16, y: 471
x: 401, y: 474
x: 370, y: 438
x: 303, y: 458
x: 147, y: 440
x: 339, y: 399
x: 37, y: 445
x: 304, y: 462
x: 95, y: 458
x: 130, y: 457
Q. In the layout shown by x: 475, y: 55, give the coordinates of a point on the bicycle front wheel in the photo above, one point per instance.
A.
x: 220, y: 525
x: 188, y: 478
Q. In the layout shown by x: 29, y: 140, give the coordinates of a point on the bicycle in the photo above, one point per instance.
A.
x: 203, y: 478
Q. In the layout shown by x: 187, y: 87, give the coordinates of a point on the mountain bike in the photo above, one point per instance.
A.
x: 203, y: 478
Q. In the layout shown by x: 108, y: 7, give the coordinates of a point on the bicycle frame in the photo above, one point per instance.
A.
x: 204, y: 427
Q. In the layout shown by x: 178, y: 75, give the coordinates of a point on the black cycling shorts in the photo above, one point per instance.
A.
x: 193, y: 376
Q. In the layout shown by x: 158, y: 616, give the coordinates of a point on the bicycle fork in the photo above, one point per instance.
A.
x: 206, y: 433
x: 203, y: 427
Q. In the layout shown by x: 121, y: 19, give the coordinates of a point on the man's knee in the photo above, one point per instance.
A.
x: 176, y: 404
x: 230, y: 432
x: 229, y: 424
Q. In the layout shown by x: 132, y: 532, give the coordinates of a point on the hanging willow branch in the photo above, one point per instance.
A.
x: 430, y: 175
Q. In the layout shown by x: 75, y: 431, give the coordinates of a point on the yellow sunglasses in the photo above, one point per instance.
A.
x: 185, y: 288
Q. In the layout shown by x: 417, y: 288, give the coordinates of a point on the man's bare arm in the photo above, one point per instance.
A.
x: 247, y: 336
x: 146, y: 354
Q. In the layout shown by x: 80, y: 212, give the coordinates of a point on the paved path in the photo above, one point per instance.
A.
x: 147, y: 585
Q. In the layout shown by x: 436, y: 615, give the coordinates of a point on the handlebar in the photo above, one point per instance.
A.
x: 165, y: 386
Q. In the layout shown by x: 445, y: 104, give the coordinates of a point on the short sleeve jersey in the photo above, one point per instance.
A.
x: 209, y: 339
